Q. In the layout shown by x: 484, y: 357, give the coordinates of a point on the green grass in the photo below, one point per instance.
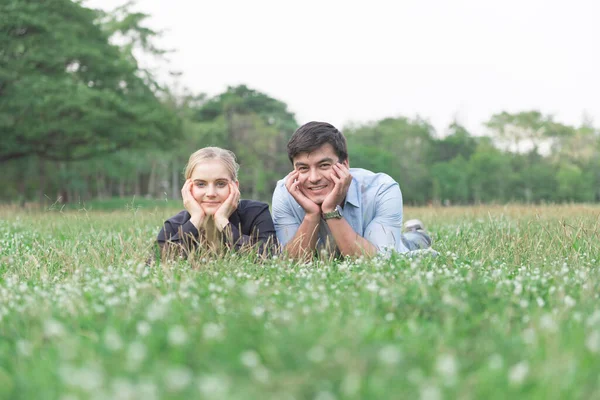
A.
x: 510, y: 309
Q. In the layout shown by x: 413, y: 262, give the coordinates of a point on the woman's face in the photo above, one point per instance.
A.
x: 211, y: 185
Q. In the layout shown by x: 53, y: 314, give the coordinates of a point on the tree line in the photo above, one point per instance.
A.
x: 80, y: 119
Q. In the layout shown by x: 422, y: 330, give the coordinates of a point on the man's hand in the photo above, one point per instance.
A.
x: 293, y: 186
x: 228, y: 207
x: 191, y: 205
x: 342, y: 179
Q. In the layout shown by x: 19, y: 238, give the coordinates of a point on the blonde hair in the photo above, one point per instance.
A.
x: 213, y: 153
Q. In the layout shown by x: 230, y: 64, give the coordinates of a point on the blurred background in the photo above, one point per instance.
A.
x: 102, y: 102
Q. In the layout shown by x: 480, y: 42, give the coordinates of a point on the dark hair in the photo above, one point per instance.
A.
x: 313, y: 135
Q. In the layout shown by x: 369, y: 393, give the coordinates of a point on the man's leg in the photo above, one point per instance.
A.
x: 415, y: 237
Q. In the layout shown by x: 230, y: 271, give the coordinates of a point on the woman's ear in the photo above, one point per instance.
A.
x: 237, y: 183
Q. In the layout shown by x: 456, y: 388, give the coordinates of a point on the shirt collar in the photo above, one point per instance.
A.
x: 353, y: 196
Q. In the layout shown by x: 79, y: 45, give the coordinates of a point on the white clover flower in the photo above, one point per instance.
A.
x: 53, y: 328
x: 24, y: 347
x: 518, y: 373
x: 213, y: 386
x: 250, y: 359
x: 529, y: 336
x: 351, y: 384
x: 548, y: 323
x: 258, y: 311
x: 592, y: 342
x: 250, y: 289
x: 136, y: 354
x: 569, y: 301
x: 112, y: 340
x: 430, y: 392
x: 316, y: 354
x: 447, y: 366
x: 143, y: 328
x: 88, y: 377
x: 594, y: 319
x: 147, y: 390
x: 156, y: 311
x: 260, y: 374
x: 212, y: 331
x: 325, y: 395
x: 524, y: 303
x: 372, y: 287
x: 177, y: 336
x: 177, y: 378
x: 390, y: 355
x: 540, y: 302
x: 123, y: 389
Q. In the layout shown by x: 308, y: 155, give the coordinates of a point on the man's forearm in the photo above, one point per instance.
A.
x: 348, y: 241
x: 304, y: 241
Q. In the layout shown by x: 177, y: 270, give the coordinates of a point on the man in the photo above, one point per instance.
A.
x: 325, y: 205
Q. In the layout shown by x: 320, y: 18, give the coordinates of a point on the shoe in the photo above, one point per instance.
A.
x: 413, y: 225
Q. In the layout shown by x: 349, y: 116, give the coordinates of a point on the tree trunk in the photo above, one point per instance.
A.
x: 42, y: 180
x: 137, y: 184
x: 175, y: 190
x: 152, y: 181
x: 121, y: 187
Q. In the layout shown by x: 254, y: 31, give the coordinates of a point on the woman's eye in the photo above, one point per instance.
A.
x: 221, y: 184
x: 200, y: 184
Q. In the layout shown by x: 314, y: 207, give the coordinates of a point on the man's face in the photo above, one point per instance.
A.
x: 315, y: 170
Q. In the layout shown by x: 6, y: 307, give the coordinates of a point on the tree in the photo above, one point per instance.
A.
x: 398, y: 146
x: 256, y: 127
x: 490, y: 174
x: 459, y: 142
x: 520, y: 132
x: 66, y: 93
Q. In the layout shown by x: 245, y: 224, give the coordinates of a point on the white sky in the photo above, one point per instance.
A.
x: 341, y: 61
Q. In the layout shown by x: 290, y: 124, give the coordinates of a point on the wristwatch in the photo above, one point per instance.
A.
x: 335, y: 214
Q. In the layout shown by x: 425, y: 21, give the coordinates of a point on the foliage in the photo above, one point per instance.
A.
x: 66, y: 93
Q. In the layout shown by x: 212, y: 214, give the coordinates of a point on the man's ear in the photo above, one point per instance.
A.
x: 347, y: 162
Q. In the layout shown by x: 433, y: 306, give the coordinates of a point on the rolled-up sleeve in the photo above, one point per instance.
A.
x: 385, y: 230
x: 285, y: 221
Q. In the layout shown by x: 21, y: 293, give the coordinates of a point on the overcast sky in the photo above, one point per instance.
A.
x: 360, y: 61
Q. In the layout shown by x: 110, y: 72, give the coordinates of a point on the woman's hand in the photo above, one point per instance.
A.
x: 228, y: 207
x: 191, y: 205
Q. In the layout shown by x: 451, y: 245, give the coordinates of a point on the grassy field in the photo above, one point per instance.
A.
x: 510, y: 309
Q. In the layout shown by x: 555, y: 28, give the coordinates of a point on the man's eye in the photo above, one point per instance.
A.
x: 302, y: 169
x: 325, y: 166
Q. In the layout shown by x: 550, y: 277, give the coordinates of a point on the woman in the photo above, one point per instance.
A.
x: 214, y: 217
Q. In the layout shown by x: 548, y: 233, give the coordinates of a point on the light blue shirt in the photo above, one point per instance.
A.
x: 373, y: 208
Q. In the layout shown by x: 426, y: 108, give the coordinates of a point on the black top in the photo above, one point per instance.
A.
x: 250, y: 225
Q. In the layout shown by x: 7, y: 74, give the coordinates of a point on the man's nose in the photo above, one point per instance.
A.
x: 314, y: 175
